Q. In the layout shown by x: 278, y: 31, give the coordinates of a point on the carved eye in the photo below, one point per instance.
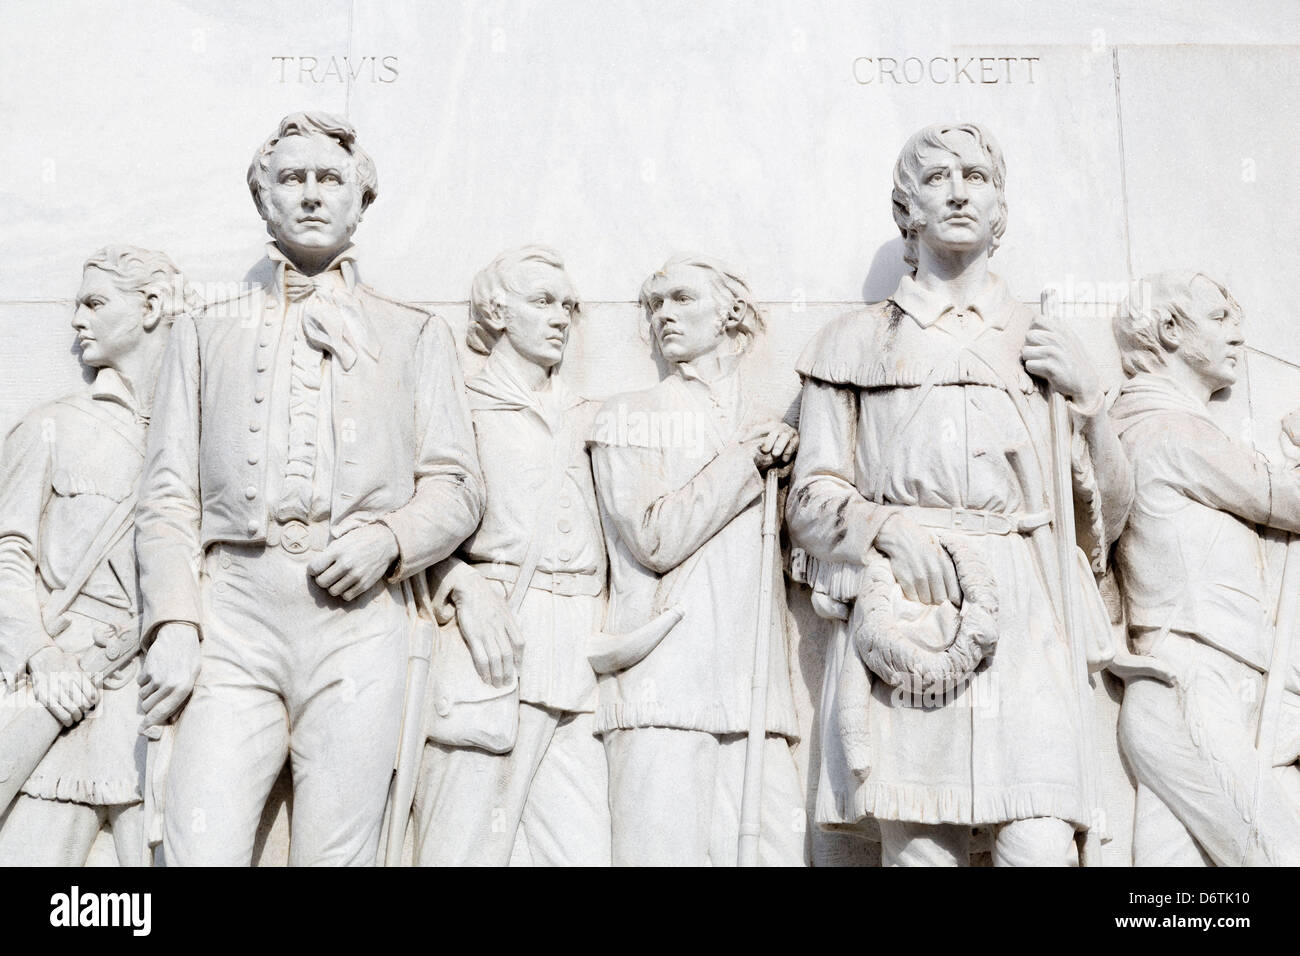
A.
x: 290, y: 179
x: 935, y: 178
x: 331, y: 178
x: 975, y: 176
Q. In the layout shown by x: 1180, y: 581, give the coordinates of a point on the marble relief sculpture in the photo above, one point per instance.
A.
x: 512, y: 764
x: 924, y: 502
x: 70, y: 754
x: 1193, y: 576
x: 679, y: 472
x: 311, y: 449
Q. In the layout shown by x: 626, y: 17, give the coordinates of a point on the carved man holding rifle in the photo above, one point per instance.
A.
x: 69, y: 609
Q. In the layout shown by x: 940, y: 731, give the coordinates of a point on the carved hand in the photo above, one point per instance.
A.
x: 921, y: 567
x: 490, y: 631
x: 59, y: 683
x: 354, y: 563
x: 1054, y: 353
x: 774, y: 445
x: 170, y: 669
x: 1291, y: 437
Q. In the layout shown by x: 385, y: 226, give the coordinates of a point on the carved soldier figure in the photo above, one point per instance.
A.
x: 69, y: 609
x: 952, y: 698
x: 679, y: 471
x: 527, y: 589
x: 312, y: 448
x: 1192, y: 567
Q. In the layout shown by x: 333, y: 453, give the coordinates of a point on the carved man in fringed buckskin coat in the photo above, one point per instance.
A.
x: 68, y: 480
x: 923, y: 422
x: 311, y: 449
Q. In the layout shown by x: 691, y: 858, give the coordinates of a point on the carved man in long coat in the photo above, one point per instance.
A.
x: 923, y: 421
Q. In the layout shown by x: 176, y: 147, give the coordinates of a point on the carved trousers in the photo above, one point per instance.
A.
x: 1204, y: 797
x: 548, y: 794
x: 674, y: 796
x: 287, y: 671
x: 1038, y: 841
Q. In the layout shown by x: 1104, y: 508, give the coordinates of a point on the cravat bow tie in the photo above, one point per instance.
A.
x: 332, y: 319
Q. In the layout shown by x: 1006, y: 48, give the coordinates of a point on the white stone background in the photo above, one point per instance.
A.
x: 1154, y: 136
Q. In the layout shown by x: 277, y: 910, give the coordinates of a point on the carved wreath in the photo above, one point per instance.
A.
x: 900, y: 662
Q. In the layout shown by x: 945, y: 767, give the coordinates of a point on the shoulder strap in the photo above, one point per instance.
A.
x: 88, y: 406
x: 118, y: 523
x: 566, y: 442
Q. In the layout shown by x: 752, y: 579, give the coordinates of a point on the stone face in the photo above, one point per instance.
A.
x: 764, y: 134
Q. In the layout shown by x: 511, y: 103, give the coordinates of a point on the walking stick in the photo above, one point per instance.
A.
x: 751, y: 797
x: 1288, y: 602
x: 411, y: 741
x: 1063, y: 524
x: 1275, y: 679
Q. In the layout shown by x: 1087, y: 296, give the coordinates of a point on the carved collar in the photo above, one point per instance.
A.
x: 109, y: 386
x: 344, y: 264
x: 502, y: 386
x: 1149, y: 392
x: 927, y: 307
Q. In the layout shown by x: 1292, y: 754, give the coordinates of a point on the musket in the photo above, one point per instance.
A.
x: 1063, y: 526
x: 751, y: 794
x: 29, y: 736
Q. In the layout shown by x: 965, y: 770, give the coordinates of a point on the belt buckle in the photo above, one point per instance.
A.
x: 963, y: 520
x: 562, y: 583
x: 294, y: 536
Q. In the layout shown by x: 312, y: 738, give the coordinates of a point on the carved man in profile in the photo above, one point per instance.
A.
x: 539, y: 551
x: 69, y: 610
x: 1193, y: 574
x: 679, y: 470
x: 311, y: 449
x: 924, y: 468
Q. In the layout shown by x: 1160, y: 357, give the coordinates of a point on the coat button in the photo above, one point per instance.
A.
x: 564, y: 525
x: 261, y: 365
x: 564, y: 554
x: 270, y: 304
x: 443, y: 706
x: 254, y: 527
x: 252, y: 458
x: 260, y: 397
x: 250, y: 492
x: 225, y: 561
x: 254, y: 426
x: 566, y: 501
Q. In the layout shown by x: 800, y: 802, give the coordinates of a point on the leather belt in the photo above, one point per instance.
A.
x: 563, y: 583
x: 971, y: 521
x: 298, y: 537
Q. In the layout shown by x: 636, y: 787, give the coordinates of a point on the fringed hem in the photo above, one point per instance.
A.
x: 920, y: 804
x: 625, y: 715
x: 98, y: 793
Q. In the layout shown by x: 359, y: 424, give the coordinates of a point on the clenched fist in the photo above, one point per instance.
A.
x: 354, y: 563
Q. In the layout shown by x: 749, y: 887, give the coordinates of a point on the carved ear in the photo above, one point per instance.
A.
x: 1170, y: 333
x: 152, y: 312
x: 736, y: 314
x: 495, y: 321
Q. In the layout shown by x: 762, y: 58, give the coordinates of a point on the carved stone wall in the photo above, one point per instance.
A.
x: 619, y: 133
